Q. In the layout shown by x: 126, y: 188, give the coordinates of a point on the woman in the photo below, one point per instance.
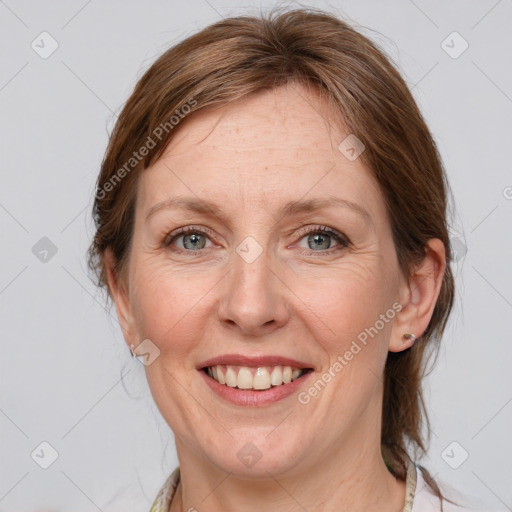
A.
x: 271, y: 226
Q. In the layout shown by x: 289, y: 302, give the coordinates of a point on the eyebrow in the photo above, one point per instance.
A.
x: 205, y: 207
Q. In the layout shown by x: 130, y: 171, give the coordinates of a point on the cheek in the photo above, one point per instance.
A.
x: 345, y: 303
x: 168, y: 304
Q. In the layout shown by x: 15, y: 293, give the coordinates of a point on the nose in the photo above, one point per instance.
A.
x: 254, y: 298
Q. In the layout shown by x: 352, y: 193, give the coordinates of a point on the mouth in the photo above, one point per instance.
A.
x: 255, y: 378
x: 255, y: 381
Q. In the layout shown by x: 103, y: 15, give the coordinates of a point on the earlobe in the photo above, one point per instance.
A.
x: 418, y: 297
x: 119, y: 295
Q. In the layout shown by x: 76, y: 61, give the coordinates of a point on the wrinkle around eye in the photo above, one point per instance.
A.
x: 344, y: 235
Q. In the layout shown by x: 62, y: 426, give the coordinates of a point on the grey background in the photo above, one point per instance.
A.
x: 62, y: 354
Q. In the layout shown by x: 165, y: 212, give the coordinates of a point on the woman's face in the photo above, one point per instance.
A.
x: 289, y: 258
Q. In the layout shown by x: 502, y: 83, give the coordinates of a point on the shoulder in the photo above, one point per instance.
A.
x: 426, y: 501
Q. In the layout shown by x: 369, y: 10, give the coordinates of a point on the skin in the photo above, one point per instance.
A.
x: 295, y: 300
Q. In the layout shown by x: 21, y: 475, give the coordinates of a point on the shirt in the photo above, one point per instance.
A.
x: 419, y: 497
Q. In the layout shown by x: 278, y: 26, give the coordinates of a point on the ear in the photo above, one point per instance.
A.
x: 418, y: 296
x: 120, y: 296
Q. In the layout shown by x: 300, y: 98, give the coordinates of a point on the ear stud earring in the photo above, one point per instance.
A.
x: 408, y: 337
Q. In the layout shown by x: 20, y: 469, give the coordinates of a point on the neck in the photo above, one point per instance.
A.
x: 360, y: 482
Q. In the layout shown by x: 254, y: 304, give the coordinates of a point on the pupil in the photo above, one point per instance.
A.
x: 319, y: 239
x: 194, y: 241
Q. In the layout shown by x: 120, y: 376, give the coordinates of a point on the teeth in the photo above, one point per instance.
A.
x: 231, y: 378
x: 261, y: 379
x: 276, y: 379
x: 220, y: 375
x: 244, y: 377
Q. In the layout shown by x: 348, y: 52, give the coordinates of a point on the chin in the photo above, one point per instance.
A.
x: 251, y: 454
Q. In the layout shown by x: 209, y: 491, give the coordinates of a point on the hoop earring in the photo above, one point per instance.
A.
x: 132, y: 350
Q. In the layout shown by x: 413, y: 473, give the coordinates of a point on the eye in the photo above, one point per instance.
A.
x: 193, y: 238
x: 320, y: 237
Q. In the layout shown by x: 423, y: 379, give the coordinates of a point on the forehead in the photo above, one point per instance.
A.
x: 266, y: 149
x: 286, y: 119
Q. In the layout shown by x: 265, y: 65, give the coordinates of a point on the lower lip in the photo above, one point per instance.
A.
x: 254, y: 398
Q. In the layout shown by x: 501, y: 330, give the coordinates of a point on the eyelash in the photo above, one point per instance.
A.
x: 339, y: 237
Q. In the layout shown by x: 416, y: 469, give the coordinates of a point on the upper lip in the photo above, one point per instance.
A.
x: 241, y: 360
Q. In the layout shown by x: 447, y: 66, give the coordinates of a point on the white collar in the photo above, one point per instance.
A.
x: 424, y: 498
x: 419, y: 496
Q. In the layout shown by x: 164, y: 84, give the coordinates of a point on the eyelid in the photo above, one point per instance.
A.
x: 341, y: 238
x: 168, y: 241
x: 184, y: 230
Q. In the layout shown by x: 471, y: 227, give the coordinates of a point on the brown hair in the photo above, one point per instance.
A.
x: 247, y: 54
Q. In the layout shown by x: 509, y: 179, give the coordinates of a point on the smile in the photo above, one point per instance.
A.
x: 255, y: 378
